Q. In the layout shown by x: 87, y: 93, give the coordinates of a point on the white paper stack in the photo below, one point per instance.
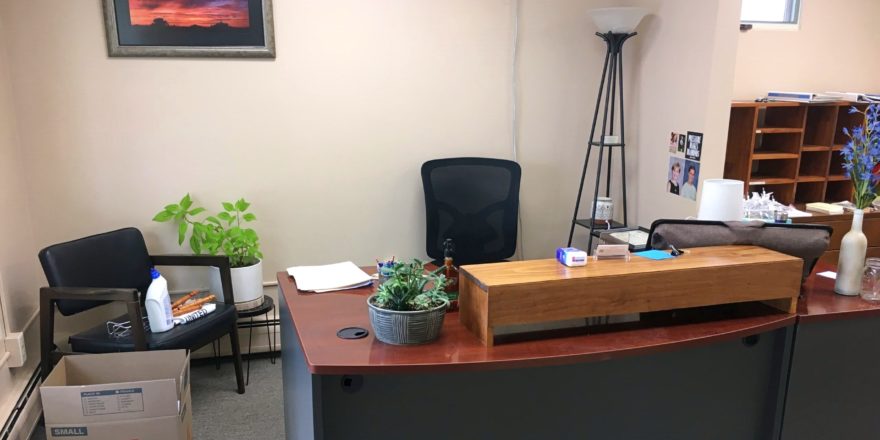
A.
x: 329, y: 277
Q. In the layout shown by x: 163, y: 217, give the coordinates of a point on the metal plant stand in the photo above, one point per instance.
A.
x: 268, y: 305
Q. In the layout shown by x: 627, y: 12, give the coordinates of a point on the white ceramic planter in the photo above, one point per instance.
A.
x: 247, y: 285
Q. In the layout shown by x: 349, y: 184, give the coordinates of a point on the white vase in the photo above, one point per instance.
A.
x: 851, y: 263
x: 247, y: 285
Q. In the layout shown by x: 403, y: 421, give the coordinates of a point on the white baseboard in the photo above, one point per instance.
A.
x: 260, y: 343
x: 28, y: 418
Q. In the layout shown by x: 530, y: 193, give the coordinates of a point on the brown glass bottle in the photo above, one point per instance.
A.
x: 450, y: 271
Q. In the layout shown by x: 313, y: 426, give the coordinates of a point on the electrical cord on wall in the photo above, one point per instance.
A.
x: 513, y: 117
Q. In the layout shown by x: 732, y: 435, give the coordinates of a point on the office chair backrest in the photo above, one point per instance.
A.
x: 117, y: 259
x: 475, y: 202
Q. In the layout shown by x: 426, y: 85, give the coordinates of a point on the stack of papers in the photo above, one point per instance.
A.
x: 329, y: 277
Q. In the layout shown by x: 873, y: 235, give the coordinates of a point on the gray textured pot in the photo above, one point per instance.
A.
x: 406, y: 328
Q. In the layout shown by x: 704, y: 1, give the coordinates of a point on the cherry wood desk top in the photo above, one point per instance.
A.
x: 317, y: 318
x: 818, y: 302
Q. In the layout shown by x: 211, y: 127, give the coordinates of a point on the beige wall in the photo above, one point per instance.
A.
x: 326, y: 140
x: 18, y: 271
x: 835, y: 49
x: 558, y: 74
x: 686, y: 67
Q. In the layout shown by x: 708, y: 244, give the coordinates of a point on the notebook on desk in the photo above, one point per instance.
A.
x: 329, y: 277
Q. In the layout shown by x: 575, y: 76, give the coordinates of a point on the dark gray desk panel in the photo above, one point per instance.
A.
x: 834, y: 385
x: 301, y: 402
x: 728, y: 390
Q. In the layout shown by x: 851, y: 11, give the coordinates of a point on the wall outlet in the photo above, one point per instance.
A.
x: 16, y: 349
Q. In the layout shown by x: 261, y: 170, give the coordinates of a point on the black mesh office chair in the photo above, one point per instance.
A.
x: 475, y: 202
x: 115, y: 266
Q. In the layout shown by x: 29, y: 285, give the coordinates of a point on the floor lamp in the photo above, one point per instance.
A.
x: 616, y: 25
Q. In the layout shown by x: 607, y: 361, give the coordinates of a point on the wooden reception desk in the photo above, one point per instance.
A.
x: 688, y: 374
x: 737, y: 371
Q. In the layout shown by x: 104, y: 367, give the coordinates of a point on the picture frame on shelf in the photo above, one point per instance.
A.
x: 189, y: 28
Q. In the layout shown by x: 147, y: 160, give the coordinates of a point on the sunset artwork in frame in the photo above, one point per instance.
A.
x: 189, y: 28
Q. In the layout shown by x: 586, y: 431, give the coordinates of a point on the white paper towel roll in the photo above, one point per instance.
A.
x: 722, y: 199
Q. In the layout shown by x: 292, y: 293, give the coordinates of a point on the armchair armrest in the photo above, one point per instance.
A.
x: 89, y: 294
x: 219, y: 261
x: 50, y: 295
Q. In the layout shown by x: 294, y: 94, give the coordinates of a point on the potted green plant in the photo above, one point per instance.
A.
x: 224, y: 232
x: 409, y: 307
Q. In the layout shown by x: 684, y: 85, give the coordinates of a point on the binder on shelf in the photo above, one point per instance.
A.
x: 805, y: 97
x: 824, y: 208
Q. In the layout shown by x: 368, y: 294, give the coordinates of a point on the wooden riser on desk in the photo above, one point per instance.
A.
x: 529, y: 292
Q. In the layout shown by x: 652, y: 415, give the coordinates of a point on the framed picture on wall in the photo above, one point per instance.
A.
x: 189, y: 28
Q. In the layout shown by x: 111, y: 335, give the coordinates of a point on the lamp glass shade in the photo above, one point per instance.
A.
x: 721, y: 200
x: 621, y: 20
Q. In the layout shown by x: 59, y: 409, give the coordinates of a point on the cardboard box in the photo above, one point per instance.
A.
x: 119, y: 396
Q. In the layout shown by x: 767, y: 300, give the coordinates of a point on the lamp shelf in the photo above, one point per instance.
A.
x: 609, y: 144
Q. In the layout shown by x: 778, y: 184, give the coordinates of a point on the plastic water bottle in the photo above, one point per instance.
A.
x: 159, y: 304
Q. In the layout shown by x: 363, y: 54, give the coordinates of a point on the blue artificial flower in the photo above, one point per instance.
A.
x: 853, y: 109
x: 858, y: 132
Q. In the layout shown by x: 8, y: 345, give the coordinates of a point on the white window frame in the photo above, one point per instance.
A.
x: 793, y: 12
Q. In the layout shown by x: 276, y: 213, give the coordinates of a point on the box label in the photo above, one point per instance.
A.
x: 70, y: 431
x: 125, y: 400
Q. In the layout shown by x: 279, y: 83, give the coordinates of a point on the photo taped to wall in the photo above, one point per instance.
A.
x: 694, y: 145
x: 674, y: 175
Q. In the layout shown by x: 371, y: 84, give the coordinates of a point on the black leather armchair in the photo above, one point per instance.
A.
x: 115, y: 266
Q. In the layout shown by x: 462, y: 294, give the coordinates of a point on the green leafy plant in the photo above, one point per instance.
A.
x: 222, y: 232
x: 411, y: 289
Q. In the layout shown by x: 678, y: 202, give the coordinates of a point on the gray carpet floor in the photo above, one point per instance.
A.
x: 220, y: 413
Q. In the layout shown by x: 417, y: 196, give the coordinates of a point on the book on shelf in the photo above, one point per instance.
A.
x: 805, y: 97
x: 824, y: 208
x: 854, y: 97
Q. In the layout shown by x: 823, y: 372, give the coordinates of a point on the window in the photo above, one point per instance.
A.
x: 770, y: 11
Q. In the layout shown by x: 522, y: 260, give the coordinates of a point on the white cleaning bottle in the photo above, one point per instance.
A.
x: 159, y: 304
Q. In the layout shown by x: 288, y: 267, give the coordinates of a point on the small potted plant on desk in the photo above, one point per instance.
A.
x: 223, y: 232
x: 409, y: 307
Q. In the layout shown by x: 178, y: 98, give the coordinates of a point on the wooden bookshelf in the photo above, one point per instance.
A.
x: 790, y: 149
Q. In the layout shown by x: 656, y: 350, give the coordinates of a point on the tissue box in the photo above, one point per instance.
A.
x: 571, y: 257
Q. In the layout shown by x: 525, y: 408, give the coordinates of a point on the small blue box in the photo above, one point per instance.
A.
x: 571, y: 257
